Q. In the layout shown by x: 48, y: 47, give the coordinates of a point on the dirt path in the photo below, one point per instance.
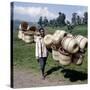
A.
x: 27, y: 78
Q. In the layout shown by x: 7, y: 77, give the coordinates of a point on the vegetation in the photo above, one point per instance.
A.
x: 24, y: 57
x: 61, y: 20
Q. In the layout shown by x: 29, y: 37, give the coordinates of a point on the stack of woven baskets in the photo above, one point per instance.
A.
x: 26, y: 33
x: 66, y: 48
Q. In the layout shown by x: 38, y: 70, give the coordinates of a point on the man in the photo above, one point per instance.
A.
x: 41, y: 51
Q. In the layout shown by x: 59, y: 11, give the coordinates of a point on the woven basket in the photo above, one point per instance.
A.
x: 77, y: 58
x: 48, y: 40
x: 82, y: 41
x: 32, y: 28
x: 28, y: 37
x: 70, y: 44
x: 58, y: 36
x: 64, y: 57
x: 24, y: 26
x: 20, y: 34
x: 36, y: 34
x: 55, y: 55
x: 69, y: 35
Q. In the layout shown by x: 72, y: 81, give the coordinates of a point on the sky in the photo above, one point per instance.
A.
x: 31, y: 12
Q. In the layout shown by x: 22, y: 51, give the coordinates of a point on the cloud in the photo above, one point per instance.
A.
x: 35, y: 12
x: 81, y: 13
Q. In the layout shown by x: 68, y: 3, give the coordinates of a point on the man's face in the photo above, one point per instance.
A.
x: 42, y: 33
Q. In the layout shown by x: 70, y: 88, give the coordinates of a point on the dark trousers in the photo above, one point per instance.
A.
x: 42, y: 62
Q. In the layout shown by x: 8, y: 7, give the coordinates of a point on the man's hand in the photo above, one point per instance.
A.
x: 37, y: 57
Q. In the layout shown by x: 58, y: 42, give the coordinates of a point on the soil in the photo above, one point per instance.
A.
x: 28, y: 78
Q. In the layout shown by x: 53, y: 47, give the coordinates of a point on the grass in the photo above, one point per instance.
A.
x: 24, y: 56
x: 80, y: 29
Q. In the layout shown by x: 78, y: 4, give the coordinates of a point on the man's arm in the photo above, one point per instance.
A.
x: 49, y: 50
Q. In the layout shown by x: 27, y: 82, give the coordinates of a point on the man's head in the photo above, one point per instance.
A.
x: 42, y: 32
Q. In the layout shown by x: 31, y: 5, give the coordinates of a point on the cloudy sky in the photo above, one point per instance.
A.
x: 32, y: 11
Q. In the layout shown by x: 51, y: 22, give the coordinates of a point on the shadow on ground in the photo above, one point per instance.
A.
x: 73, y: 75
x: 53, y: 69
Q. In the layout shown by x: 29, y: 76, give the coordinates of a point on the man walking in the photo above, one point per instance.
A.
x: 41, y: 51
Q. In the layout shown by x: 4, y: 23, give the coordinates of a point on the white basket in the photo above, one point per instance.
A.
x: 58, y: 36
x: 48, y: 40
x: 82, y: 41
x: 64, y: 57
x: 20, y: 34
x: 70, y: 44
x: 55, y: 55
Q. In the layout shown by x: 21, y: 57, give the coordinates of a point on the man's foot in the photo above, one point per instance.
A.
x: 43, y: 77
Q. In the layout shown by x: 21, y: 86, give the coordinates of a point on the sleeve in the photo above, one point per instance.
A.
x: 37, y: 52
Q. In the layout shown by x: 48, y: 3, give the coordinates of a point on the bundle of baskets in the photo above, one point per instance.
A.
x: 66, y: 48
x: 26, y: 33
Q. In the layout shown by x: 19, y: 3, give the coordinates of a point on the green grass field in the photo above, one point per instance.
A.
x: 24, y: 55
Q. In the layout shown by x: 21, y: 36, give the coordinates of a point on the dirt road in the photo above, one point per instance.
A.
x: 27, y: 78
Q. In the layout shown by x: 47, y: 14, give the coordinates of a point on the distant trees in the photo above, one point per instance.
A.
x: 40, y: 22
x: 60, y: 20
x: 74, y: 17
x: 77, y: 20
x: 45, y: 21
x: 69, y: 26
x: 85, y: 19
x: 53, y: 23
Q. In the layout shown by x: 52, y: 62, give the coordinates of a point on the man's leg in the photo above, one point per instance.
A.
x: 45, y: 59
x: 42, y: 62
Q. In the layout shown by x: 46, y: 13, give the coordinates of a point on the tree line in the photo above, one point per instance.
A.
x: 61, y: 20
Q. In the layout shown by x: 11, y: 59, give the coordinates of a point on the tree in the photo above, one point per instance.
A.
x: 78, y: 20
x: 85, y: 20
x: 61, y: 19
x: 69, y: 26
x: 45, y: 21
x: 54, y: 23
x: 74, y: 16
x: 82, y: 20
x: 40, y: 22
x: 51, y: 22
